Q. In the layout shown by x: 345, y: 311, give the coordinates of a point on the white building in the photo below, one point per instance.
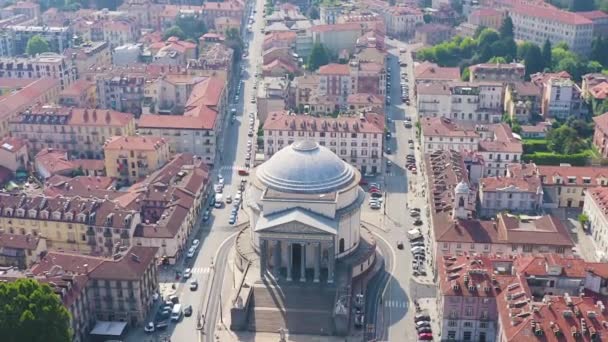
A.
x: 402, y: 21
x: 499, y: 148
x: 562, y: 99
x: 46, y: 64
x: 596, y: 209
x: 517, y: 195
x: 536, y: 24
x: 439, y: 133
x: 127, y: 54
x: 479, y: 102
x: 356, y: 140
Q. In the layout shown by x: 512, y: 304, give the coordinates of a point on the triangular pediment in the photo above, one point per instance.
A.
x: 294, y: 227
x: 296, y: 221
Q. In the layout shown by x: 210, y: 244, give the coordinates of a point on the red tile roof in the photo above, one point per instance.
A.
x: 334, y: 69
x: 503, y: 141
x: 12, y: 144
x: 131, y: 266
x: 594, y: 15
x: 432, y: 71
x: 54, y: 161
x: 444, y: 127
x: 457, y: 273
x: 370, y: 123
x: 18, y: 241
x: 135, y: 143
x: 24, y: 97
x: 549, y: 173
x: 551, y: 265
x: 551, y: 14
x: 599, y: 91
x: 528, y: 184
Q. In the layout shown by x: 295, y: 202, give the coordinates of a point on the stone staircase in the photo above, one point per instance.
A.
x: 298, y: 308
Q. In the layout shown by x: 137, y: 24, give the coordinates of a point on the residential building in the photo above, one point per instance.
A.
x: 455, y: 230
x: 44, y: 90
x: 439, y: 133
x: 215, y: 59
x: 172, y: 52
x: 337, y: 37
x: 596, y: 208
x: 433, y: 34
x: 338, y: 81
x: 130, y: 159
x: 19, y: 250
x: 88, y: 54
x: 476, y: 103
x: 272, y: 96
x: 487, y: 17
x: 168, y: 94
x: 210, y: 11
x: 279, y: 39
x: 329, y: 12
x: 280, y: 67
x: 522, y: 101
x: 599, y: 20
x: 499, y: 148
x: 497, y: 72
x: 79, y: 94
x: 402, y: 21
x: 197, y: 130
x: 121, y: 91
x: 58, y: 37
x: 127, y: 54
x: 594, y: 90
x: 365, y: 102
x: 46, y: 64
x: 600, y: 134
x: 358, y: 139
x: 536, y: 24
x: 562, y: 99
x: 79, y: 131
x: 565, y: 186
x: 427, y: 72
x: 538, y: 131
x: 515, y: 195
x: 14, y: 154
x: 50, y: 162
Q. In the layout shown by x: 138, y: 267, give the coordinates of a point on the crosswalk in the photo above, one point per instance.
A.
x: 395, y: 304
x: 229, y: 169
x: 201, y: 270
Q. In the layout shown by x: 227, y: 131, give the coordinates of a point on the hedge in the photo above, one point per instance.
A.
x: 532, y: 146
x: 549, y: 158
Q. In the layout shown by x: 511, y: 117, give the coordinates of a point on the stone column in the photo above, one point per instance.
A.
x: 331, y: 260
x: 303, y: 262
x: 263, y: 244
x: 317, y: 262
x: 289, y: 260
x: 277, y: 259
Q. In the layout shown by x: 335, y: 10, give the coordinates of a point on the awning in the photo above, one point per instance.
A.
x: 103, y: 328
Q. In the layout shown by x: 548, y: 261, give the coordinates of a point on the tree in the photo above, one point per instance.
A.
x: 36, y: 45
x: 497, y: 60
x: 565, y: 140
x: 533, y: 60
x: 32, y: 312
x: 506, y: 28
x: 487, y: 37
x: 546, y: 53
x: 583, y: 219
x: 582, y: 5
x: 427, y: 18
x: 318, y: 56
x: 593, y: 66
x: 174, y: 31
x: 234, y: 41
x: 192, y: 27
x: 465, y: 75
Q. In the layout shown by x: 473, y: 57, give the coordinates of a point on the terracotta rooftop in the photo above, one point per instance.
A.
x: 12, y: 144
x: 503, y: 141
x: 432, y: 71
x: 526, y: 89
x: 588, y: 176
x: 471, y: 276
x: 369, y: 123
x: 334, y: 69
x: 131, y: 266
x: 77, y: 88
x: 444, y: 127
x: 550, y: 14
x: 24, y: 97
x: 135, y: 143
x: 528, y: 184
x: 82, y: 185
x: 551, y: 265
x: 46, y: 115
x: 54, y: 161
x: 18, y: 241
x: 540, y: 127
x: 593, y: 15
x: 599, y: 91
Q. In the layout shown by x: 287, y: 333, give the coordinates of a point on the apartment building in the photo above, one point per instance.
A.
x: 499, y: 148
x: 197, y: 130
x: 596, y: 208
x: 433, y: 34
x: 215, y: 58
x: 20, y: 251
x: 599, y: 20
x: 181, y: 50
x: 58, y: 37
x: 522, y: 101
x: 210, y: 11
x: 515, y: 195
x: 562, y: 99
x: 427, y: 72
x: 272, y: 96
x: 338, y: 81
x: 600, y: 134
x: 44, y: 90
x: 439, y: 133
x: 358, y: 140
x: 121, y: 91
x: 14, y: 154
x: 79, y: 94
x: 80, y: 131
x: 130, y: 159
x: 401, y: 21
x: 536, y: 24
x: 455, y: 230
x: 497, y: 72
x: 89, y: 54
x: 565, y: 186
x: 46, y: 64
x: 487, y: 17
x: 337, y: 37
x: 480, y: 102
x: 168, y: 93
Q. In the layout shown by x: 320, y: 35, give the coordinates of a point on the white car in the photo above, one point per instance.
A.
x: 191, y: 252
x: 187, y: 273
x: 149, y: 328
x: 195, y: 243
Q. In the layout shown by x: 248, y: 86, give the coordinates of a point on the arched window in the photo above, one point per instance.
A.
x: 461, y: 202
x: 341, y: 245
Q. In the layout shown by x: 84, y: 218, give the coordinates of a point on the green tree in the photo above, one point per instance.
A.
x: 318, y: 56
x: 599, y: 50
x: 192, y: 27
x: 465, y: 75
x: 506, y: 28
x: 174, y: 31
x: 565, y: 140
x: 32, y: 312
x: 497, y: 60
x: 533, y: 60
x: 546, y: 53
x: 582, y: 5
x: 487, y: 37
x: 593, y: 66
x: 36, y: 45
x: 234, y: 41
x: 478, y: 31
x: 427, y: 18
x: 583, y: 219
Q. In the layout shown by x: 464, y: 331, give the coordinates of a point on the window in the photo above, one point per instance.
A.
x: 559, y: 250
x: 451, y: 323
x: 468, y: 311
x: 483, y: 325
x: 458, y: 246
x: 451, y: 335
x: 466, y: 336
x: 528, y: 248
x: 513, y: 248
x: 468, y: 324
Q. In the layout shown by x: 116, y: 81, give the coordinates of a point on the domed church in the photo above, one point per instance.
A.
x: 304, y: 241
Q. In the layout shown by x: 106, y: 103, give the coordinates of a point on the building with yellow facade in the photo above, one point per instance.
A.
x: 132, y: 158
x: 82, y: 132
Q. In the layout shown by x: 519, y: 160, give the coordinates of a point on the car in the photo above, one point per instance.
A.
x: 228, y: 199
x: 195, y: 243
x: 149, y: 328
x: 232, y: 220
x: 388, y: 100
x: 193, y: 285
x: 414, y: 213
x: 188, y: 311
x: 402, y: 50
x: 422, y: 317
x: 206, y: 216
x: 425, y: 336
x: 389, y: 163
x: 359, y: 300
x: 417, y: 243
x: 417, y: 249
x: 376, y: 194
x: 187, y: 273
x: 359, y: 319
x: 400, y: 244
x: 191, y: 252
x: 162, y: 325
x: 418, y: 222
x: 374, y: 185
x: 424, y: 330
x: 388, y: 150
x: 375, y: 206
x: 250, y: 133
x: 162, y: 315
x: 423, y: 324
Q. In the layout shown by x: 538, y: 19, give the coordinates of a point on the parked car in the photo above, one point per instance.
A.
x: 425, y: 336
x: 191, y: 252
x: 359, y: 319
x: 422, y: 317
x: 417, y: 249
x: 162, y: 325
x: 188, y: 311
x: 149, y: 328
x: 359, y: 300
x: 376, y: 194
x: 206, y: 216
x: 418, y: 222
x: 424, y: 330
x: 193, y: 285
x: 400, y: 244
x: 187, y: 273
x: 421, y: 324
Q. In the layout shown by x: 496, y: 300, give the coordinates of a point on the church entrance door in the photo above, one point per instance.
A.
x: 296, y: 260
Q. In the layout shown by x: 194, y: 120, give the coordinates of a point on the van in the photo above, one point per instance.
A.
x: 176, y: 313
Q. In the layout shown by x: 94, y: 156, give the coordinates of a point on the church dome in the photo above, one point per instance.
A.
x: 305, y: 167
x: 462, y: 188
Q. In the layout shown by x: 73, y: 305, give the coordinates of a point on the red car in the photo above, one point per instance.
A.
x: 362, y: 182
x: 243, y: 172
x: 425, y: 337
x: 372, y: 190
